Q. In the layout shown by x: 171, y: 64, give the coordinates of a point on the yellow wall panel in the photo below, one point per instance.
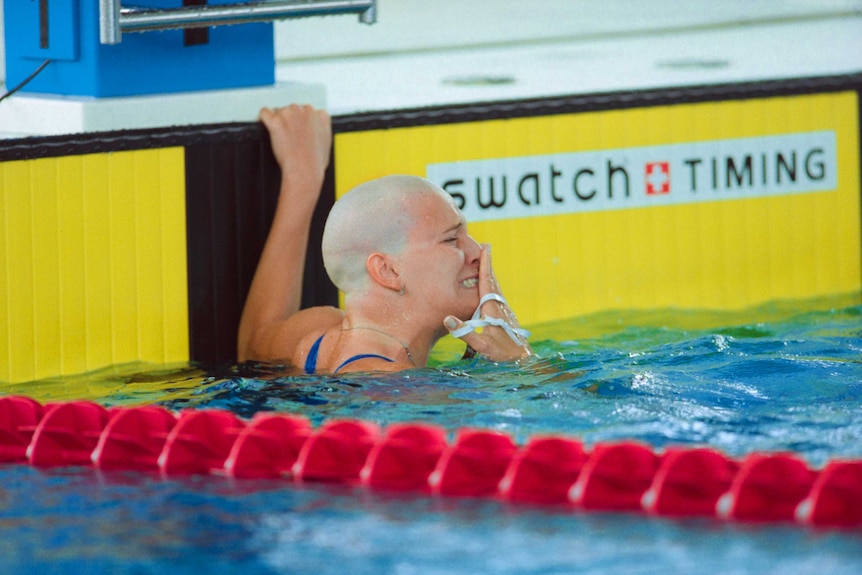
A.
x: 174, y: 285
x: 71, y: 274
x: 710, y: 253
x: 16, y: 270
x: 148, y: 265
x: 120, y: 234
x: 47, y: 295
x: 92, y: 262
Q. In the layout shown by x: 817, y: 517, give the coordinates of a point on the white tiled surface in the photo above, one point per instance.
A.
x: 702, y: 56
x: 425, y: 52
x: 412, y: 25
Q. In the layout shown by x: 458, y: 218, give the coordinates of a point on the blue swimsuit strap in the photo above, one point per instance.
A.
x: 311, y: 360
x: 362, y: 356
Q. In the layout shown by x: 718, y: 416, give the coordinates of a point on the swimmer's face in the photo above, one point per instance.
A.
x: 441, y: 261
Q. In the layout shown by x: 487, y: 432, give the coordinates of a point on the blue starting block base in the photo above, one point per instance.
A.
x: 66, y: 32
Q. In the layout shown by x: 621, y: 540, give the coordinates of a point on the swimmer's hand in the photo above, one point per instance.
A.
x: 502, y: 339
x: 301, y: 139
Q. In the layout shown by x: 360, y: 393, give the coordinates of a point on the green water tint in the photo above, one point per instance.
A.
x: 564, y: 348
x: 647, y: 328
x: 137, y: 383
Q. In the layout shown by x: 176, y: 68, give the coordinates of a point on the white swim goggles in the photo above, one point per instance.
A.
x: 478, y: 321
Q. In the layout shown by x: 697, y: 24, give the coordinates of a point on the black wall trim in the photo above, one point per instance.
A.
x: 594, y: 102
x: 124, y: 140
x: 231, y: 194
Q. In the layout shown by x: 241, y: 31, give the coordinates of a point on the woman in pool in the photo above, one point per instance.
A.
x: 398, y: 249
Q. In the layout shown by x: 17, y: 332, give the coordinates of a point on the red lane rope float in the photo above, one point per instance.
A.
x: 67, y: 434
x: 19, y: 417
x: 268, y: 447
x: 768, y: 487
x: 689, y: 482
x: 615, y: 477
x: 405, y: 458
x: 134, y: 438
x: 473, y: 466
x: 621, y: 476
x: 337, y: 452
x: 543, y: 471
x: 835, y: 498
x: 200, y: 442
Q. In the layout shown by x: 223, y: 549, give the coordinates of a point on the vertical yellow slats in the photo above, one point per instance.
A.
x: 122, y: 218
x: 105, y: 298
x: 72, y: 273
x: 6, y: 179
x: 846, y: 249
x: 151, y: 308
x: 17, y: 328
x: 174, y: 286
x: 46, y: 295
x: 92, y: 262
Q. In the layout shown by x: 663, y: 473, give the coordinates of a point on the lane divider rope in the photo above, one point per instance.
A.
x: 417, y: 457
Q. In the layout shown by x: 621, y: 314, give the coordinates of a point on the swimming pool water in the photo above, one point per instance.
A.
x: 783, y: 377
x: 78, y: 522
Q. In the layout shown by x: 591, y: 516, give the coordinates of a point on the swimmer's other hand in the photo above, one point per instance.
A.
x: 494, y: 342
x: 501, y: 338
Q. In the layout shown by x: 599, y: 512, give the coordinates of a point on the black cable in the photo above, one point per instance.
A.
x: 27, y: 79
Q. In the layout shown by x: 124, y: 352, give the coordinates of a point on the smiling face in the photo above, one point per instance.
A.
x: 440, y: 264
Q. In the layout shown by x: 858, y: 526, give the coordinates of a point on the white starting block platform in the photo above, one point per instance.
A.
x: 25, y: 114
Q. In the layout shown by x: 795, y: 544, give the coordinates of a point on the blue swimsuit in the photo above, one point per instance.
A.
x: 311, y: 360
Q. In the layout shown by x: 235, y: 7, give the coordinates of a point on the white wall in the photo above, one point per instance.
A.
x: 411, y: 25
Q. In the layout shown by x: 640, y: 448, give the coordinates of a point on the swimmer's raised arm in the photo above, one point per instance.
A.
x: 301, y: 139
x: 502, y: 338
x: 383, y: 326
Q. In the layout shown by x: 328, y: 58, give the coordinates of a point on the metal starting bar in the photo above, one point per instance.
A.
x: 115, y: 19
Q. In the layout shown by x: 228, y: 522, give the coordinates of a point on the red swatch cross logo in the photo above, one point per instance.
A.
x: 657, y: 178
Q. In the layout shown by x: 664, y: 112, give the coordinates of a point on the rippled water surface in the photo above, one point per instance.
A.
x: 781, y: 377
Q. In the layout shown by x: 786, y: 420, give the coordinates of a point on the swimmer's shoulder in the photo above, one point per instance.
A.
x: 291, y: 338
x: 322, y: 328
x: 320, y: 318
x: 307, y: 325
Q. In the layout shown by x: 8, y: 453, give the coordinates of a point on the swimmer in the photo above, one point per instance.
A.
x: 397, y: 247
